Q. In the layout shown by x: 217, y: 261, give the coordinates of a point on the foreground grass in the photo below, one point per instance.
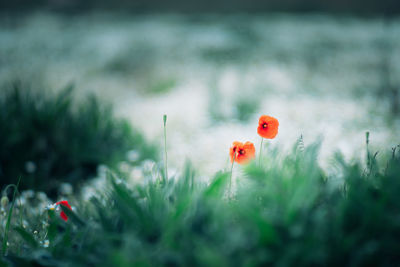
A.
x: 286, y: 213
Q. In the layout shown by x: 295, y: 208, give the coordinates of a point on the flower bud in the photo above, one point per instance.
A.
x: 4, y: 201
x: 165, y: 119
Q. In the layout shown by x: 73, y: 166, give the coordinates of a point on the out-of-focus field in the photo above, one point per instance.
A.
x: 321, y: 76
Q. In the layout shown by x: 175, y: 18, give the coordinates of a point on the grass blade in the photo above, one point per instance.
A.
x: 5, y: 238
x: 26, y: 236
x: 216, y: 187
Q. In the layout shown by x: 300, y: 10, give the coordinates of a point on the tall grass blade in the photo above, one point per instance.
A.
x: 5, y: 238
x: 165, y: 146
x: 217, y: 185
x: 26, y: 236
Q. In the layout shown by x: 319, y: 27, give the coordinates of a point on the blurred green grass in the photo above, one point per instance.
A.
x: 48, y: 138
x: 288, y: 212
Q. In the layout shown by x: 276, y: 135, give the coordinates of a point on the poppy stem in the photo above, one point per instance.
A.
x: 165, y: 147
x: 230, y: 179
x: 259, y: 157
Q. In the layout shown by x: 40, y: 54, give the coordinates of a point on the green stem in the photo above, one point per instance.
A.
x: 165, y: 147
x: 5, y: 239
x: 368, y: 154
x: 259, y: 157
x: 230, y: 179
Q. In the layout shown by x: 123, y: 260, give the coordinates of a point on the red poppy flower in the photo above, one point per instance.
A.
x: 242, y: 153
x: 65, y: 204
x: 267, y: 127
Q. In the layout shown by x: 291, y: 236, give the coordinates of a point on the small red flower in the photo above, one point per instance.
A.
x: 267, y: 127
x: 242, y: 153
x: 65, y: 204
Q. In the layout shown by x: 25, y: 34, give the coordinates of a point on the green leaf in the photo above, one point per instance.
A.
x: 26, y: 236
x: 105, y: 221
x: 52, y: 229
x: 216, y: 187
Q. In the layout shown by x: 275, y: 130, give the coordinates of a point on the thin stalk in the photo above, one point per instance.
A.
x: 368, y: 168
x: 230, y: 179
x: 165, y: 147
x: 5, y: 239
x: 367, y: 142
x: 21, y: 211
x: 259, y: 157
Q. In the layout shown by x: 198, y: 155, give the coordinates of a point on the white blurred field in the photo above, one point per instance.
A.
x: 321, y: 76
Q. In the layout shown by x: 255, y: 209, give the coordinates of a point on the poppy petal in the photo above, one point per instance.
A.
x: 62, y: 213
x: 64, y: 216
x: 244, y: 152
x: 234, y: 149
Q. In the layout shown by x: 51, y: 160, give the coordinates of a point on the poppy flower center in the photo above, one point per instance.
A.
x: 241, y: 151
x: 265, y: 125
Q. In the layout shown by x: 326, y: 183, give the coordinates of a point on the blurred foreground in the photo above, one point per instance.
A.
x: 286, y: 212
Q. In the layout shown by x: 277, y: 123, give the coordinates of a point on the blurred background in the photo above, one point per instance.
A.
x: 327, y: 70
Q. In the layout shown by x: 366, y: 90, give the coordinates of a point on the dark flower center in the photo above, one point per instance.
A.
x: 265, y: 125
x: 241, y: 151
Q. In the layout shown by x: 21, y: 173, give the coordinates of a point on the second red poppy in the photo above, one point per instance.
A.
x: 242, y: 153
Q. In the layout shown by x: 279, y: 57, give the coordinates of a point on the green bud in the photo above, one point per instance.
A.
x: 4, y: 201
x: 165, y: 119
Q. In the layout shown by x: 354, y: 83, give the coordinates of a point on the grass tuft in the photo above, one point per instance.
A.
x: 49, y: 140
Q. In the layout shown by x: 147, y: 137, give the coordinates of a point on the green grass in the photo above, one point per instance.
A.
x: 49, y: 139
x: 288, y: 212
